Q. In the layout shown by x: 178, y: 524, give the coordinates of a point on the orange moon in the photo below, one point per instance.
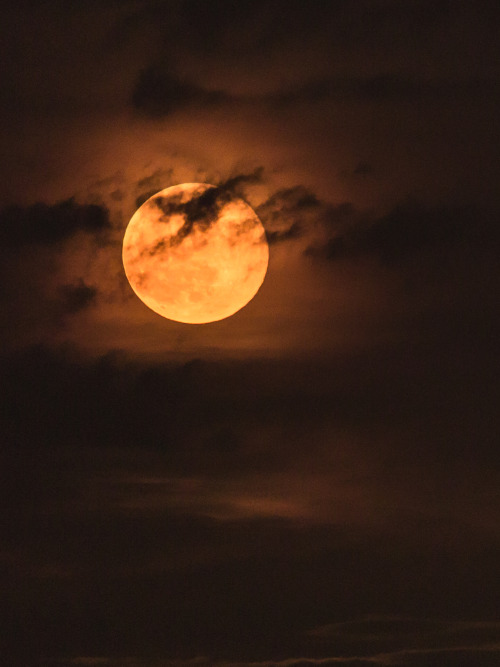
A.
x: 195, y: 253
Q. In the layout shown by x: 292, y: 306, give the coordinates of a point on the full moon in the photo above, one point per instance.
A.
x: 195, y: 253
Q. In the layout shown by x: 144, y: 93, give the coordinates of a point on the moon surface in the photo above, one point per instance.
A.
x: 195, y: 253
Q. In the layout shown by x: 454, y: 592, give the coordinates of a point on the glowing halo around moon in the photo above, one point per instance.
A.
x: 195, y: 253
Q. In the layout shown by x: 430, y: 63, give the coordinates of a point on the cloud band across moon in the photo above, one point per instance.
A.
x: 195, y: 253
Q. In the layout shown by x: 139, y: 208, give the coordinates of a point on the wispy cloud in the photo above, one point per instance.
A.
x: 415, y: 637
x: 43, y: 224
x: 462, y: 654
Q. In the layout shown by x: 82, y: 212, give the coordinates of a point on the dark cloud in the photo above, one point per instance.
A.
x: 152, y: 179
x: 379, y: 633
x: 271, y: 26
x: 374, y: 31
x: 292, y: 213
x: 208, y: 24
x: 209, y: 406
x: 388, y: 87
x: 411, y: 228
x: 76, y: 297
x: 117, y: 195
x: 139, y: 201
x: 112, y: 472
x: 289, y: 213
x: 224, y: 439
x: 236, y: 184
x: 286, y: 213
x: 334, y: 501
x: 157, y: 179
x: 363, y: 169
x: 48, y: 224
x: 203, y: 209
x: 42, y: 289
x: 138, y: 401
x: 158, y: 93
x: 150, y: 185
x: 56, y: 383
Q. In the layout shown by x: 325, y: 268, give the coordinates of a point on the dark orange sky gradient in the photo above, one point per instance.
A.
x: 313, y: 480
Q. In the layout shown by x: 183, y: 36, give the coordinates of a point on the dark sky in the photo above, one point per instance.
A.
x: 314, y: 480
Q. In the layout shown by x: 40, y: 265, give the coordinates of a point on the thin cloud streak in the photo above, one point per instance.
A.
x: 383, y: 659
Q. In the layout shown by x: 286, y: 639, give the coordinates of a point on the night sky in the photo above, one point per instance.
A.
x: 314, y: 480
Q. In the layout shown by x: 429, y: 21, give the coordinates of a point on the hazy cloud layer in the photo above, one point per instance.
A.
x: 387, y: 87
x: 275, y: 29
x: 203, y: 209
x: 42, y: 286
x: 49, y: 224
x: 313, y: 481
x: 158, y: 94
x: 410, y: 228
x: 286, y: 213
